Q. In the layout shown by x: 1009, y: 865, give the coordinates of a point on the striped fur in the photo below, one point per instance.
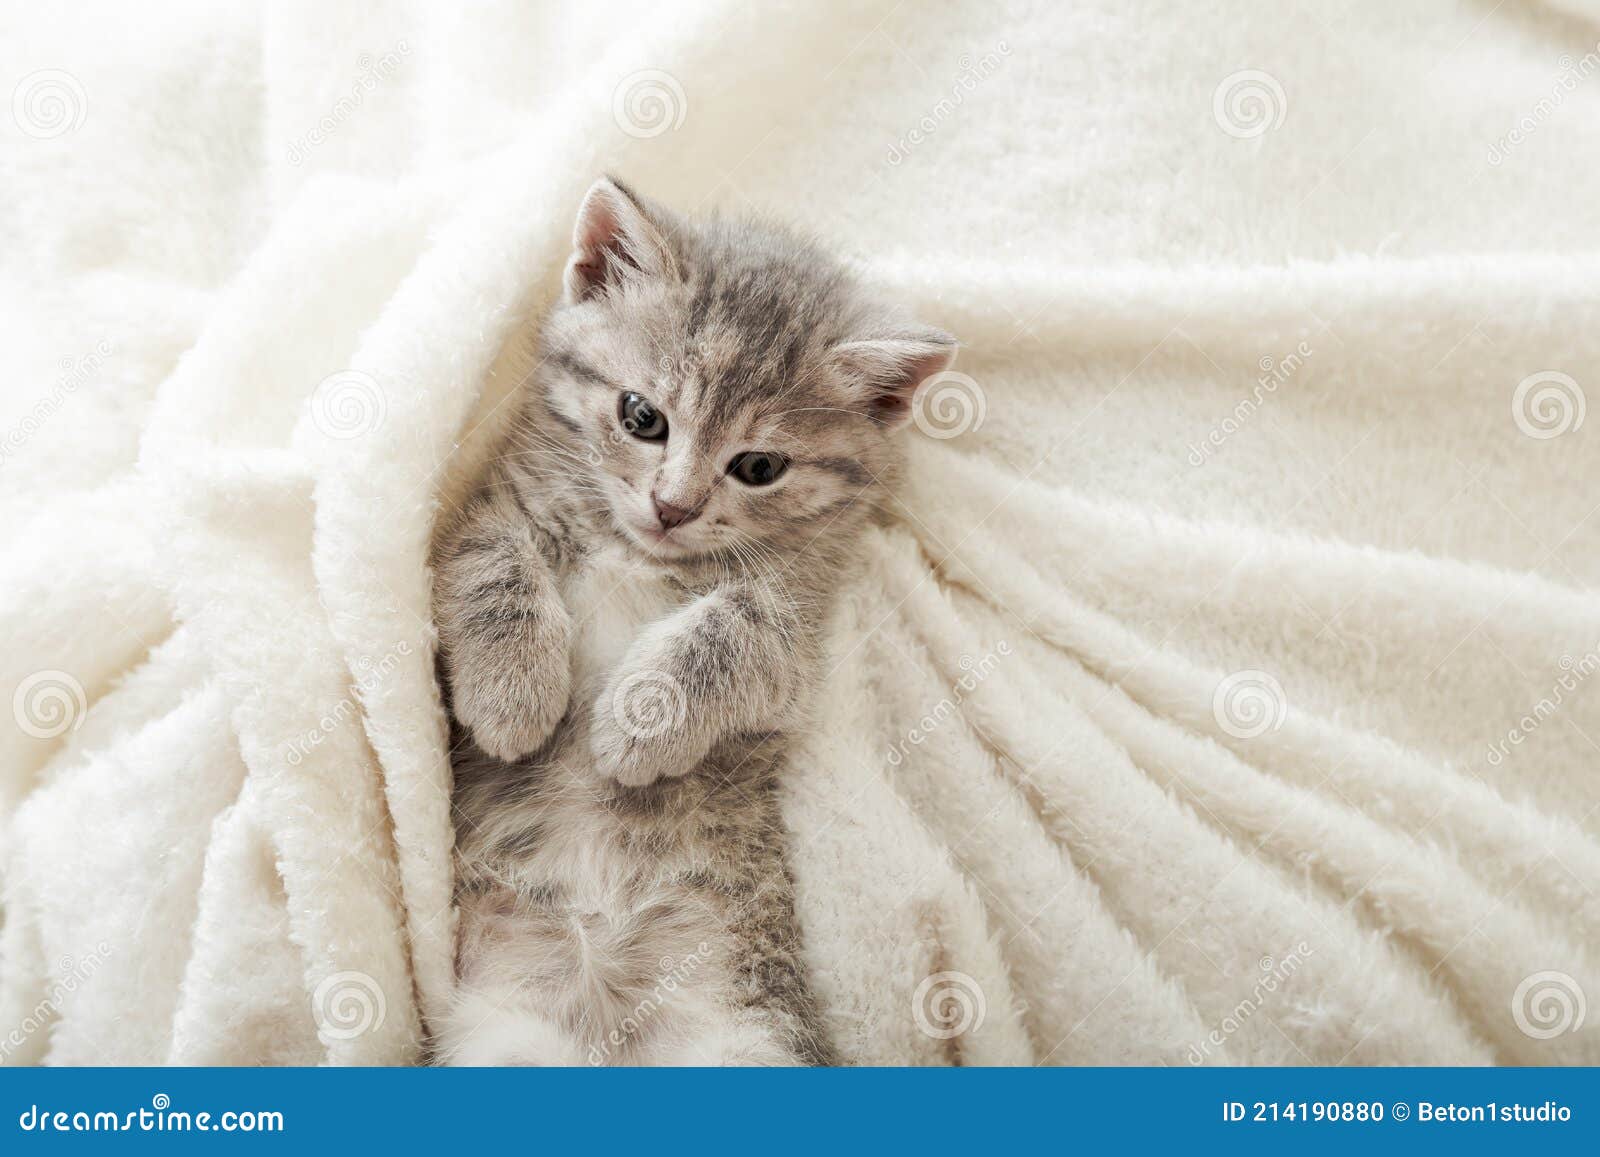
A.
x: 621, y: 694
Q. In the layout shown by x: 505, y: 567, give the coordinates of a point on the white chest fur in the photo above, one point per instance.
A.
x: 611, y: 597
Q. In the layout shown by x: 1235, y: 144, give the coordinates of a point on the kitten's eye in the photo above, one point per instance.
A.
x: 757, y: 467
x: 641, y: 419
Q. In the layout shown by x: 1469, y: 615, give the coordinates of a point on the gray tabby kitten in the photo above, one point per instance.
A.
x: 631, y: 610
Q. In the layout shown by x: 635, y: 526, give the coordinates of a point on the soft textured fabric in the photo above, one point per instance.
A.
x: 1225, y: 690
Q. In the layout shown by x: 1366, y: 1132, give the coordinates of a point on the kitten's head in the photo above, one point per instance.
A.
x: 725, y: 382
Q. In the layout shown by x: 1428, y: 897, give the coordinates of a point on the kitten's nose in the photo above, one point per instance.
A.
x: 671, y: 515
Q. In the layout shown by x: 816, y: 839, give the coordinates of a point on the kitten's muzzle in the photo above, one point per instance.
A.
x: 670, y: 516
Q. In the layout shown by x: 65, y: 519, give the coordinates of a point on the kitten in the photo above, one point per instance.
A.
x: 631, y: 610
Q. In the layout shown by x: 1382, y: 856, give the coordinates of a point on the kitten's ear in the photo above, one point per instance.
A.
x: 885, y: 372
x: 615, y: 237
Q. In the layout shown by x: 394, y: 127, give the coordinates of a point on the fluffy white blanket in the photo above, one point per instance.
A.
x: 1228, y: 690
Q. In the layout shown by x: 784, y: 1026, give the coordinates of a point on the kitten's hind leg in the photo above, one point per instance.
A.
x: 485, y: 1028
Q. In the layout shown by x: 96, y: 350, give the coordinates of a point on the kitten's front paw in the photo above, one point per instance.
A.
x: 510, y: 710
x: 638, y: 729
